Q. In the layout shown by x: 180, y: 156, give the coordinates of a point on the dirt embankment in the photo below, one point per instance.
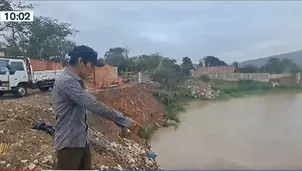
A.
x: 24, y: 148
x: 135, y: 102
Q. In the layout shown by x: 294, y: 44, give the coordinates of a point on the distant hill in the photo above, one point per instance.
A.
x: 294, y: 56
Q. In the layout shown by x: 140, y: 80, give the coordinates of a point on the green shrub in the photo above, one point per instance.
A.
x: 173, y: 101
x: 147, y: 131
x: 205, y: 78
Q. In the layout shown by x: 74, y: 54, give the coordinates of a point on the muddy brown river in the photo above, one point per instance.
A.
x: 246, y: 133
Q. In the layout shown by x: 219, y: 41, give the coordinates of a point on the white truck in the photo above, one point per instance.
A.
x: 17, y: 75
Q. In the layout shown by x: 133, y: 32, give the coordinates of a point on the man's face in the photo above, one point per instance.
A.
x: 85, y: 69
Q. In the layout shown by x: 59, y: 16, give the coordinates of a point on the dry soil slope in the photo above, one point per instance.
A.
x: 135, y: 102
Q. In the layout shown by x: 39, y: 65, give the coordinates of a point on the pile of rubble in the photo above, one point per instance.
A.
x: 202, y: 90
x: 21, y: 147
x: 136, y: 77
x: 131, y: 155
x: 129, y: 77
x: 206, y: 93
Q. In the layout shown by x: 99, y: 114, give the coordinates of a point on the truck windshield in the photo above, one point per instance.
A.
x: 3, y: 66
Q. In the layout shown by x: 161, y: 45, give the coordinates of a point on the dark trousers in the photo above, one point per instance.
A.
x: 74, y: 159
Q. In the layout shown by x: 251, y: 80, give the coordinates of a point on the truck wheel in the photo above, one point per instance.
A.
x: 21, y: 91
x: 44, y: 89
x: 1, y: 93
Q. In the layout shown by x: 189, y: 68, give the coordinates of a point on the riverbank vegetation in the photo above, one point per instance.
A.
x: 229, y: 89
x: 176, y: 98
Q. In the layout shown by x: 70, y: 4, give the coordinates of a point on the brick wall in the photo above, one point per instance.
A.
x: 217, y: 69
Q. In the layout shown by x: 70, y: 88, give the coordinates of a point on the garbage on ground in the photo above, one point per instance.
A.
x: 201, y: 89
x: 42, y: 126
x: 275, y: 84
x: 151, y: 154
x: 3, y: 148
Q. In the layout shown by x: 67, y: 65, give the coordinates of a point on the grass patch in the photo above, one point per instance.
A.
x: 147, y: 131
x: 172, y: 111
x: 234, y: 89
x: 174, y: 101
x: 205, y: 78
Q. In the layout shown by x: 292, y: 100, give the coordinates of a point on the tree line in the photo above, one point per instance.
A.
x: 50, y: 39
x: 273, y: 66
x: 44, y: 38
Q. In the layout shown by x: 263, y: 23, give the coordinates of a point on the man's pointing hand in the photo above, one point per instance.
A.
x: 134, y: 128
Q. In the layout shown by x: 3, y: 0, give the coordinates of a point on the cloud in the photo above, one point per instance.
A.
x: 228, y: 30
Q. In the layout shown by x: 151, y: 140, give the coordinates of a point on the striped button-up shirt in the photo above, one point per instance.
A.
x: 70, y: 101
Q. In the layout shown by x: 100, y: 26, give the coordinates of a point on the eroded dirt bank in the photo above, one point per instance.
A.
x: 24, y: 148
x: 135, y: 102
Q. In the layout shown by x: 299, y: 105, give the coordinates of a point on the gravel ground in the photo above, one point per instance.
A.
x: 24, y: 148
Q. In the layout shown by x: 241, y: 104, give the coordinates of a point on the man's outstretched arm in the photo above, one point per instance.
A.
x: 74, y: 91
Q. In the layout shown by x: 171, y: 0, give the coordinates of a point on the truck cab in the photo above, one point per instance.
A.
x: 17, y: 75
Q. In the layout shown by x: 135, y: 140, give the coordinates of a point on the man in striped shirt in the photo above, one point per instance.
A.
x: 70, y: 101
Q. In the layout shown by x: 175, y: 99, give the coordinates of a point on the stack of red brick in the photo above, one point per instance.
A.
x: 39, y: 65
x: 102, y: 77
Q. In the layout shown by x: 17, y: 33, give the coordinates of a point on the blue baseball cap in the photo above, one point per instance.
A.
x: 87, y: 54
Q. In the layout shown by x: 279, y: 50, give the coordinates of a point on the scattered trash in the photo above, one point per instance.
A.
x: 274, y: 84
x: 42, y: 126
x: 31, y: 166
x: 130, y: 154
x: 201, y: 89
x: 151, y: 154
x: 3, y: 148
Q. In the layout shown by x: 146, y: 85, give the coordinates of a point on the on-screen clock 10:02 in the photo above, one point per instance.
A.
x: 17, y: 16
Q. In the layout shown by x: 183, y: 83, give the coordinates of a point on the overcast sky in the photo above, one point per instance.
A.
x: 232, y: 31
